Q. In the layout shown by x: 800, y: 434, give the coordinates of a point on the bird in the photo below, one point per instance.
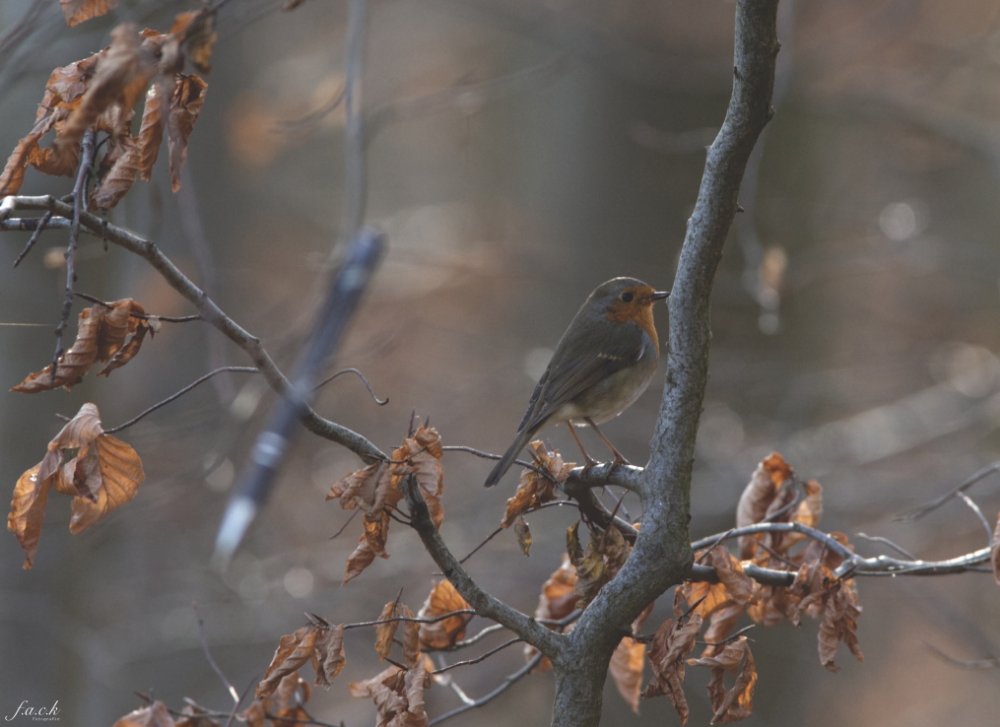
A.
x: 602, y: 364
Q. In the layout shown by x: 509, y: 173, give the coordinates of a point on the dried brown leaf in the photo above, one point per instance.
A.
x: 255, y: 715
x: 556, y: 601
x: 534, y: 489
x: 443, y: 599
x: 361, y: 558
x: 185, y: 105
x: 384, y: 633
x: 758, y: 495
x: 411, y: 637
x: 293, y: 652
x: 737, y: 703
x: 27, y: 512
x: 120, y: 78
x: 329, y: 658
x: 127, y: 352
x: 195, y: 30
x: 523, y: 534
x: 120, y: 177
x: 120, y: 474
x: 626, y: 670
x: 151, y: 131
x: 673, y: 641
x: 839, y: 623
x: 73, y: 364
x: 153, y: 715
x: 77, y: 11
x: 13, y: 172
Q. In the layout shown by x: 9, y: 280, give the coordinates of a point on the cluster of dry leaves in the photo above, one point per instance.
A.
x: 111, y: 333
x: 708, y: 609
x: 375, y: 489
x: 771, y: 495
x: 99, y: 472
x: 99, y: 92
x: 398, y: 691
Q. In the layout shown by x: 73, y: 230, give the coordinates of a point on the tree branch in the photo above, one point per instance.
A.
x: 208, y: 309
x: 662, y: 553
x: 548, y: 642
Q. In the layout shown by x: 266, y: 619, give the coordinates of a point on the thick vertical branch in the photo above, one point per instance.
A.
x: 662, y: 551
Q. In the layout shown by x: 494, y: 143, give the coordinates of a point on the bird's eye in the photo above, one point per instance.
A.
x: 627, y: 297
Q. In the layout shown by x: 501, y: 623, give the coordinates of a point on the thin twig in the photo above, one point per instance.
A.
x: 42, y: 223
x: 478, y: 659
x: 508, y: 681
x: 935, y: 504
x: 186, y: 389
x: 726, y: 640
x: 992, y: 662
x: 488, y: 539
x: 232, y: 715
x: 313, y: 116
x: 885, y: 541
x: 146, y: 249
x: 141, y: 316
x: 208, y: 656
x: 380, y: 402
x: 979, y: 514
x: 344, y: 526
x: 411, y: 619
x: 79, y: 206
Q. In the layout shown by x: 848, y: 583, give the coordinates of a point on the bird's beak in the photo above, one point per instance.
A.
x: 662, y: 295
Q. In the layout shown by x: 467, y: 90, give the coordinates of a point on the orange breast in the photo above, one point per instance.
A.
x: 639, y: 310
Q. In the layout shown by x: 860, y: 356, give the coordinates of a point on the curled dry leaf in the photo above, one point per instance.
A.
x: 376, y: 487
x: 737, y: 703
x: 185, y: 105
x: 758, y: 495
x: 627, y: 662
x: 120, y: 79
x: 195, y: 30
x: 121, y: 175
x: 101, y: 473
x: 385, y: 632
x: 604, y: 556
x: 839, y: 623
x: 556, y: 601
x: 329, y: 657
x: 523, y: 535
x: 398, y: 696
x: 151, y: 131
x: 534, y: 489
x: 673, y: 641
x: 101, y: 334
x: 724, y: 601
x: 153, y: 715
x: 77, y: 11
x: 294, y: 651
x: 443, y: 599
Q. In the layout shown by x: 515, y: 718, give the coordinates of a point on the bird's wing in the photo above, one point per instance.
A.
x: 576, y: 375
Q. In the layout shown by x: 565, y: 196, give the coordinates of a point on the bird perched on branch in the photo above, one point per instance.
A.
x: 603, y: 363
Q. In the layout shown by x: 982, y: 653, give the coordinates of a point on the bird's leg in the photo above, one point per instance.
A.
x: 619, y: 457
x: 588, y: 460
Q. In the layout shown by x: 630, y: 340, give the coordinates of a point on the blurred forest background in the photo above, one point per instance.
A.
x: 855, y: 328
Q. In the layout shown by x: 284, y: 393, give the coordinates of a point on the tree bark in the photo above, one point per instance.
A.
x: 662, y: 553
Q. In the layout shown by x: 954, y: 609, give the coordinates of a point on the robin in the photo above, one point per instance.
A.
x: 603, y: 363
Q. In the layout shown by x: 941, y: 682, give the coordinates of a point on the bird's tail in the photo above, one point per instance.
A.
x: 507, y: 460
